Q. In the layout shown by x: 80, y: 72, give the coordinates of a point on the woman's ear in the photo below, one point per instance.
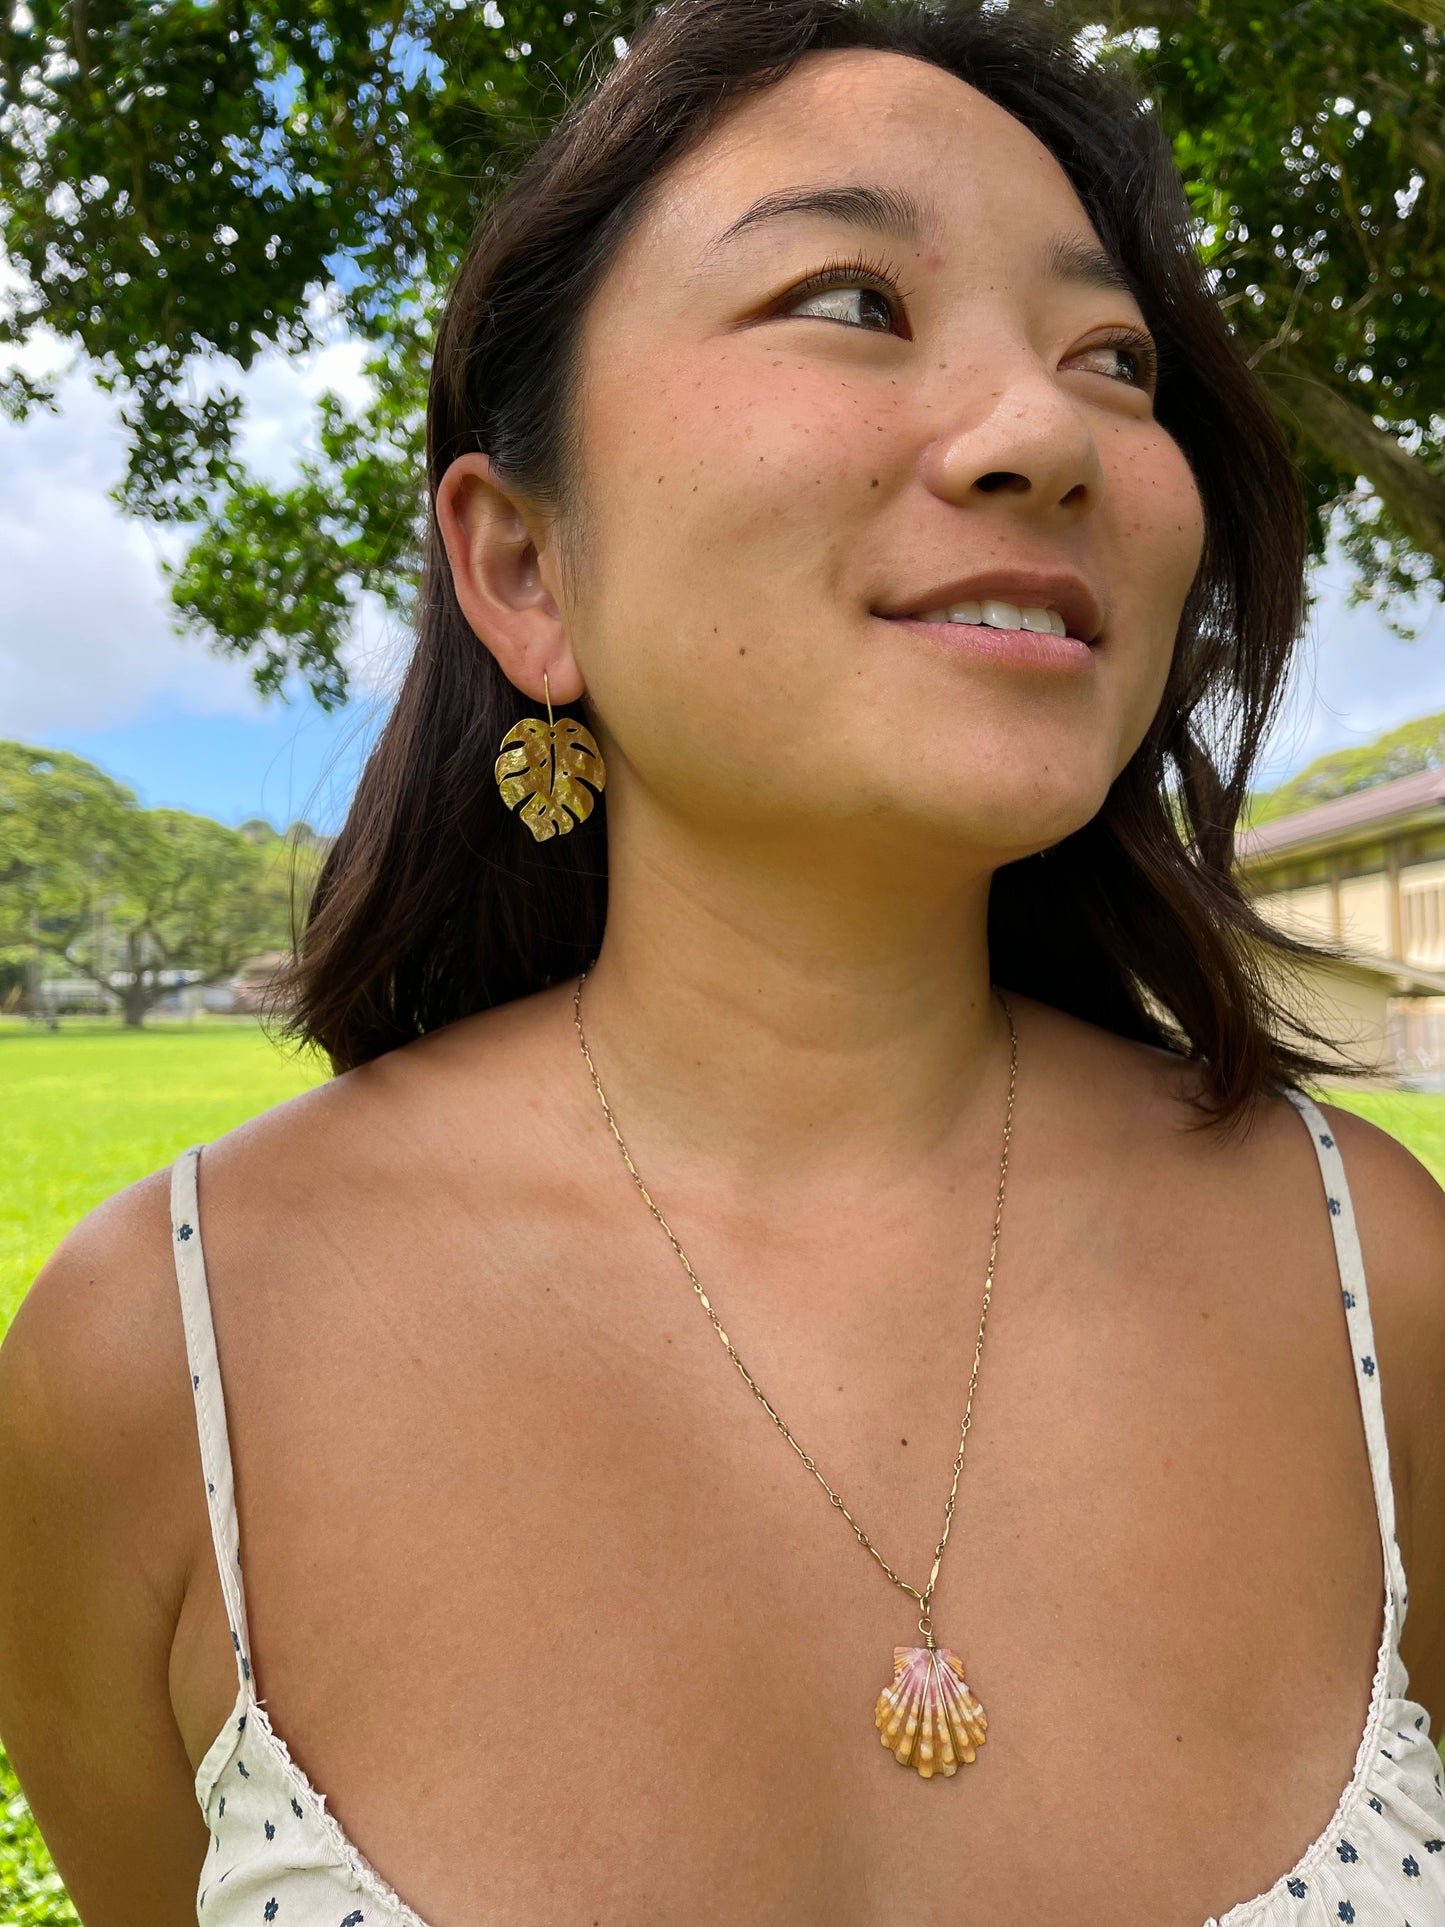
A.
x: 493, y: 539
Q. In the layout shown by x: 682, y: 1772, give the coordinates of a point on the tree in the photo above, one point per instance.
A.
x: 126, y: 895
x: 179, y: 179
x: 1312, y: 137
x: 1412, y: 747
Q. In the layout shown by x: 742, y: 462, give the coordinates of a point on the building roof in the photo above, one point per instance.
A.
x: 1355, y: 818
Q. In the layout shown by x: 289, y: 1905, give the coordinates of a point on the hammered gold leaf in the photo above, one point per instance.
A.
x: 546, y: 770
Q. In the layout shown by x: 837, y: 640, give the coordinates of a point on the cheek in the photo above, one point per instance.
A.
x: 1161, y: 520
x: 1159, y: 529
x: 730, y: 504
x: 738, y: 470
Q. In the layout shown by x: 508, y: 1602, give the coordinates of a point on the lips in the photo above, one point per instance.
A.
x: 1075, y: 601
x: 1029, y: 650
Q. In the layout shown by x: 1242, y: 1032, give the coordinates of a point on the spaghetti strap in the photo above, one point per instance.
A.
x: 210, y: 1405
x: 1362, y: 1337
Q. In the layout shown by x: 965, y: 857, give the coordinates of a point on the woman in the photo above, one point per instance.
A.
x: 795, y: 421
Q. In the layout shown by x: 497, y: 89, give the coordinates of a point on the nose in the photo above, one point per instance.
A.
x: 1015, y: 431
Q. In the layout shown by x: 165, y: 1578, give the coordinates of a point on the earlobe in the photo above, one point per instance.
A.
x: 492, y: 536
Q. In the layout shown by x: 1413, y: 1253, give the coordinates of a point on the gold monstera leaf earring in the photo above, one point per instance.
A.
x: 545, y: 767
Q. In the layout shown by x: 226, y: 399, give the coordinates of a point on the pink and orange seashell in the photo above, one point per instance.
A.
x: 928, y: 1718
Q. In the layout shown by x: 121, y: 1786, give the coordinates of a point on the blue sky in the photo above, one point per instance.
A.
x: 89, y: 661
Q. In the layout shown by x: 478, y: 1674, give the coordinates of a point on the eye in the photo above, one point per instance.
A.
x: 1137, y: 352
x: 857, y: 293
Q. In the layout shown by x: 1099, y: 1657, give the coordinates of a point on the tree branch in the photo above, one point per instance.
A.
x: 1412, y: 491
x: 1429, y: 13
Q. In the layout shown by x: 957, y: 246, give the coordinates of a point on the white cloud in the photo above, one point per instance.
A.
x: 84, y: 626
x: 85, y: 621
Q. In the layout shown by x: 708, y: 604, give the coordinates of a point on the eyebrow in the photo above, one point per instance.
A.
x: 896, y: 212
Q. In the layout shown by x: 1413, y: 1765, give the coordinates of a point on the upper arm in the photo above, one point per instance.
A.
x: 1400, y: 1211
x: 97, y: 1450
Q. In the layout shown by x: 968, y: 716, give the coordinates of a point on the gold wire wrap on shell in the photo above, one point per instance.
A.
x: 545, y: 767
x: 927, y: 1717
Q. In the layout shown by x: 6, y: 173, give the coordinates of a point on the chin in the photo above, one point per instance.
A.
x: 1020, y: 807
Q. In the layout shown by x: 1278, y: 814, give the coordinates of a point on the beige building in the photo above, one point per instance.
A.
x: 1365, y: 874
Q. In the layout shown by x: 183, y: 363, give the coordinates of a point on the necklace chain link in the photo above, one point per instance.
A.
x: 925, y: 1623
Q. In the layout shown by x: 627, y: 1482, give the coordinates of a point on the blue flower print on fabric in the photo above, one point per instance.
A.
x: 1434, y: 1846
x: 1327, y: 1140
x: 184, y: 1232
x: 353, y: 1920
x: 296, y: 1807
x: 222, y: 1814
x: 1335, y: 1207
x: 243, y: 1769
x: 269, y: 1911
x: 1368, y: 1365
x: 241, y: 1724
x: 1346, y: 1851
x: 1376, y: 1804
x: 270, y: 1831
x: 1346, y: 1910
x: 1411, y: 1866
x: 1349, y: 1301
x: 1297, y: 1887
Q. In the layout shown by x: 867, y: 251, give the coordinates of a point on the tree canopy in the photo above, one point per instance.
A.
x: 1414, y: 746
x: 181, y: 179
x: 130, y: 896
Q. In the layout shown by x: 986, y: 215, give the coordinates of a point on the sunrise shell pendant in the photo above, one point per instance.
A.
x: 928, y: 1718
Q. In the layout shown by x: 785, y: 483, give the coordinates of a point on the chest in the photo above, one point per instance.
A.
x: 550, y: 1609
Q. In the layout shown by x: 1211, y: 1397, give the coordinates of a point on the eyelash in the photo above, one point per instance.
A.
x: 860, y: 271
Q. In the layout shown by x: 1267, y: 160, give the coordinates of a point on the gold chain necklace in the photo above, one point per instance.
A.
x: 926, y: 1716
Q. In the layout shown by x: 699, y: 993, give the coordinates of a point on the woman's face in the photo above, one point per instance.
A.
x: 772, y: 476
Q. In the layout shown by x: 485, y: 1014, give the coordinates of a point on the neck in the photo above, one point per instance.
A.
x: 779, y: 1020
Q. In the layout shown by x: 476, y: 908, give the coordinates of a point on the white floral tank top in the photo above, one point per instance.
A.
x: 277, y: 1855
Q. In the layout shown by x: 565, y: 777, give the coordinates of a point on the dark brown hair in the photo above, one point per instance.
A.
x: 434, y: 901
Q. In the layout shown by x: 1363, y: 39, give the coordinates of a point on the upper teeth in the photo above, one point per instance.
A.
x: 1001, y: 615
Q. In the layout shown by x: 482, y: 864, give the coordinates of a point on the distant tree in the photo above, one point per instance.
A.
x: 180, y: 181
x: 1400, y: 752
x: 126, y: 895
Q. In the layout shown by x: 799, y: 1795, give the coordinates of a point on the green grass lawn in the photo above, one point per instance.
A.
x: 1417, y: 1118
x: 91, y: 1108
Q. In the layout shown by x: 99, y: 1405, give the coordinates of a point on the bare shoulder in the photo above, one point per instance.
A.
x: 98, y: 1521
x: 103, y: 1524
x: 1140, y: 1106
x: 1260, y: 1188
x: 91, y: 1369
x: 369, y: 1142
x: 1400, y: 1211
